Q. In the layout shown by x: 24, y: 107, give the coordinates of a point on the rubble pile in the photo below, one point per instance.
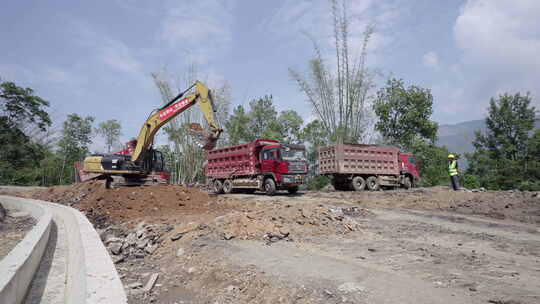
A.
x: 137, y: 243
x: 286, y: 222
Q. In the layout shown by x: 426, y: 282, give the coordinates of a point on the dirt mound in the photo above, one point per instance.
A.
x: 124, y: 204
x: 287, y: 222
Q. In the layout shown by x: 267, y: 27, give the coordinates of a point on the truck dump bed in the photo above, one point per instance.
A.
x: 359, y: 159
x: 237, y: 160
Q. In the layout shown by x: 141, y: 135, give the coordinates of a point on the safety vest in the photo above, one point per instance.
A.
x: 452, y: 168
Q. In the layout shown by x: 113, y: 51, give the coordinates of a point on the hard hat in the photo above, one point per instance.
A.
x: 451, y: 156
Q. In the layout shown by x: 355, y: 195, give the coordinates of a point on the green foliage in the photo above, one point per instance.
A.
x: 315, y: 136
x: 262, y: 121
x: 20, y: 107
x: 317, y: 182
x: 404, y: 114
x: 20, y: 156
x: 433, y: 163
x: 236, y: 126
x: 506, y: 155
x: 339, y: 93
x: 111, y: 130
x: 470, y: 181
x: 290, y: 127
x: 74, y: 143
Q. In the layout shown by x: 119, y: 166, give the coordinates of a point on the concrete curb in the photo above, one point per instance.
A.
x: 91, y: 275
x: 18, y: 268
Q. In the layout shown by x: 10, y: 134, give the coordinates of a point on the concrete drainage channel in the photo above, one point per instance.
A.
x: 61, y: 260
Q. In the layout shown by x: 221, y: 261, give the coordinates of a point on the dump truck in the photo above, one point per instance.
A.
x: 357, y: 167
x: 264, y: 164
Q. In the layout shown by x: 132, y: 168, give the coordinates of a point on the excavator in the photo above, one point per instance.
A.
x: 140, y: 164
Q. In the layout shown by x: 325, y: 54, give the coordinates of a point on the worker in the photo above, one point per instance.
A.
x: 453, y: 171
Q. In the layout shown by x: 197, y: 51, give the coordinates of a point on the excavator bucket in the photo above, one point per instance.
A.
x: 204, y: 139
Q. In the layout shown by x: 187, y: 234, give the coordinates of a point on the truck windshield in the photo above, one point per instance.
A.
x: 293, y: 154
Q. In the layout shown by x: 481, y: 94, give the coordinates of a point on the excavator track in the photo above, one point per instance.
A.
x: 123, y: 181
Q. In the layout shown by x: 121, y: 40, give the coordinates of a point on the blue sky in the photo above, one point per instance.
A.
x: 95, y: 57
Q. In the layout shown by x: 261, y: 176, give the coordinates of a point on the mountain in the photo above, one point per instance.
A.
x: 458, y: 138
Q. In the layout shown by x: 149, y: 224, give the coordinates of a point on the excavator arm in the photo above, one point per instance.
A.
x: 177, y: 105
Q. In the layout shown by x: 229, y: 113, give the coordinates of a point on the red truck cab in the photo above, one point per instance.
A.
x: 263, y: 164
x: 410, y: 166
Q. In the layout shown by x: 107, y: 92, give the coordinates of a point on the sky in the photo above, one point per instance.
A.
x: 95, y: 57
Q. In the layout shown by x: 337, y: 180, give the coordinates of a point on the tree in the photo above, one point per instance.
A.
x: 236, y: 127
x: 504, y: 155
x: 262, y: 118
x: 185, y: 155
x: 20, y: 156
x: 111, y: 130
x: 20, y: 107
x: 315, y: 136
x: 340, y: 99
x: 404, y: 114
x: 74, y: 143
x: 290, y: 125
x: 510, y: 119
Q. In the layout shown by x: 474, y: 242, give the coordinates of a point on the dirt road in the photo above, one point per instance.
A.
x: 419, y: 246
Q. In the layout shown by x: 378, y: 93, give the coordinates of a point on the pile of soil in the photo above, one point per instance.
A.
x: 278, y: 221
x: 129, y: 204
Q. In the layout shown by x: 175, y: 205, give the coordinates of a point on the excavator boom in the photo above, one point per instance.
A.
x: 173, y: 108
x: 145, y: 165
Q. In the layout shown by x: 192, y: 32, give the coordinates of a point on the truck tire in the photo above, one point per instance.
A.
x: 218, y: 186
x: 372, y: 184
x: 269, y: 186
x: 293, y: 190
x: 227, y: 186
x: 407, y: 184
x: 358, y: 183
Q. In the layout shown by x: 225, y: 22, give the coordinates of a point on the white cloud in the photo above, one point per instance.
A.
x: 315, y: 18
x: 430, y: 59
x: 109, y: 51
x: 500, y: 41
x: 200, y: 30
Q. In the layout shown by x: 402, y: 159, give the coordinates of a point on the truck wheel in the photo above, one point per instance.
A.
x: 218, y: 186
x: 227, y: 186
x: 293, y: 190
x: 358, y: 183
x: 372, y: 184
x: 269, y: 186
x: 407, y: 184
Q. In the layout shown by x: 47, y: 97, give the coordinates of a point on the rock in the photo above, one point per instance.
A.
x: 3, y: 213
x: 180, y: 252
x: 134, y: 285
x: 349, y: 287
x: 111, y: 239
x: 231, y: 288
x: 131, y: 239
x: 191, y: 270
x: 151, y: 282
x: 141, y: 244
x: 371, y: 249
x: 151, y: 248
x: 116, y: 248
x: 118, y: 259
x: 228, y: 236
